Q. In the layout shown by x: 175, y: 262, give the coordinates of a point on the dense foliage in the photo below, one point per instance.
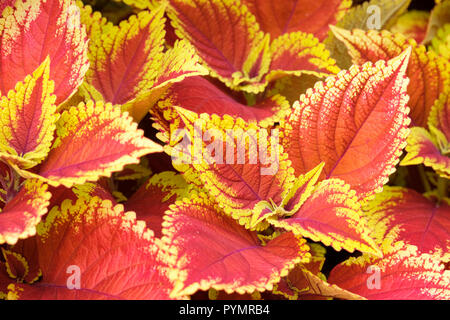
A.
x: 224, y: 149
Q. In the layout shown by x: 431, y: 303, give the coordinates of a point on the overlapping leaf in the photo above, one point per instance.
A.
x: 403, y: 214
x: 126, y: 261
x: 21, y: 214
x: 329, y: 213
x: 35, y: 30
x: 5, y: 4
x: 306, y: 282
x: 373, y: 14
x: 355, y: 122
x: 28, y: 117
x: 403, y: 273
x: 233, y: 222
x: 423, y: 148
x: 128, y: 64
x: 413, y: 235
x: 413, y: 25
x: 226, y: 37
x: 92, y: 140
x: 441, y: 42
x: 431, y: 147
x: 179, y: 62
x: 427, y: 72
x: 295, y: 283
x: 212, y: 250
x: 278, y: 18
x: 299, y: 53
x: 241, y: 166
x: 201, y: 96
x: 17, y: 267
x: 117, y: 77
x: 231, y: 44
x: 155, y: 196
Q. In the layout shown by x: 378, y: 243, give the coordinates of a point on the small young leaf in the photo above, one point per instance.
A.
x: 333, y: 216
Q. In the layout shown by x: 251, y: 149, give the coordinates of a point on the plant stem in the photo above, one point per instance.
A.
x: 423, y: 177
x: 251, y: 98
x: 442, y: 188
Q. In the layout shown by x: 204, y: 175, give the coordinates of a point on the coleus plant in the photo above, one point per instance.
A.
x: 271, y: 134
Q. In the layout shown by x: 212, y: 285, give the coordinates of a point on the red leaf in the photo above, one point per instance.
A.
x: 331, y: 215
x: 76, y: 157
x: 199, y: 95
x: 242, y: 167
x: 155, y: 196
x: 226, y: 38
x: 35, y: 30
x: 19, y: 217
x: 28, y: 116
x: 413, y: 235
x: 116, y: 257
x: 403, y: 214
x: 123, y: 62
x: 402, y: 274
x: 17, y: 267
x: 426, y: 71
x: 355, y: 122
x: 214, y: 251
x: 311, y: 16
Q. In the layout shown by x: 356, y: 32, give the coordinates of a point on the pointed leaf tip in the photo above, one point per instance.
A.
x: 28, y: 117
x: 335, y: 121
x: 76, y: 158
